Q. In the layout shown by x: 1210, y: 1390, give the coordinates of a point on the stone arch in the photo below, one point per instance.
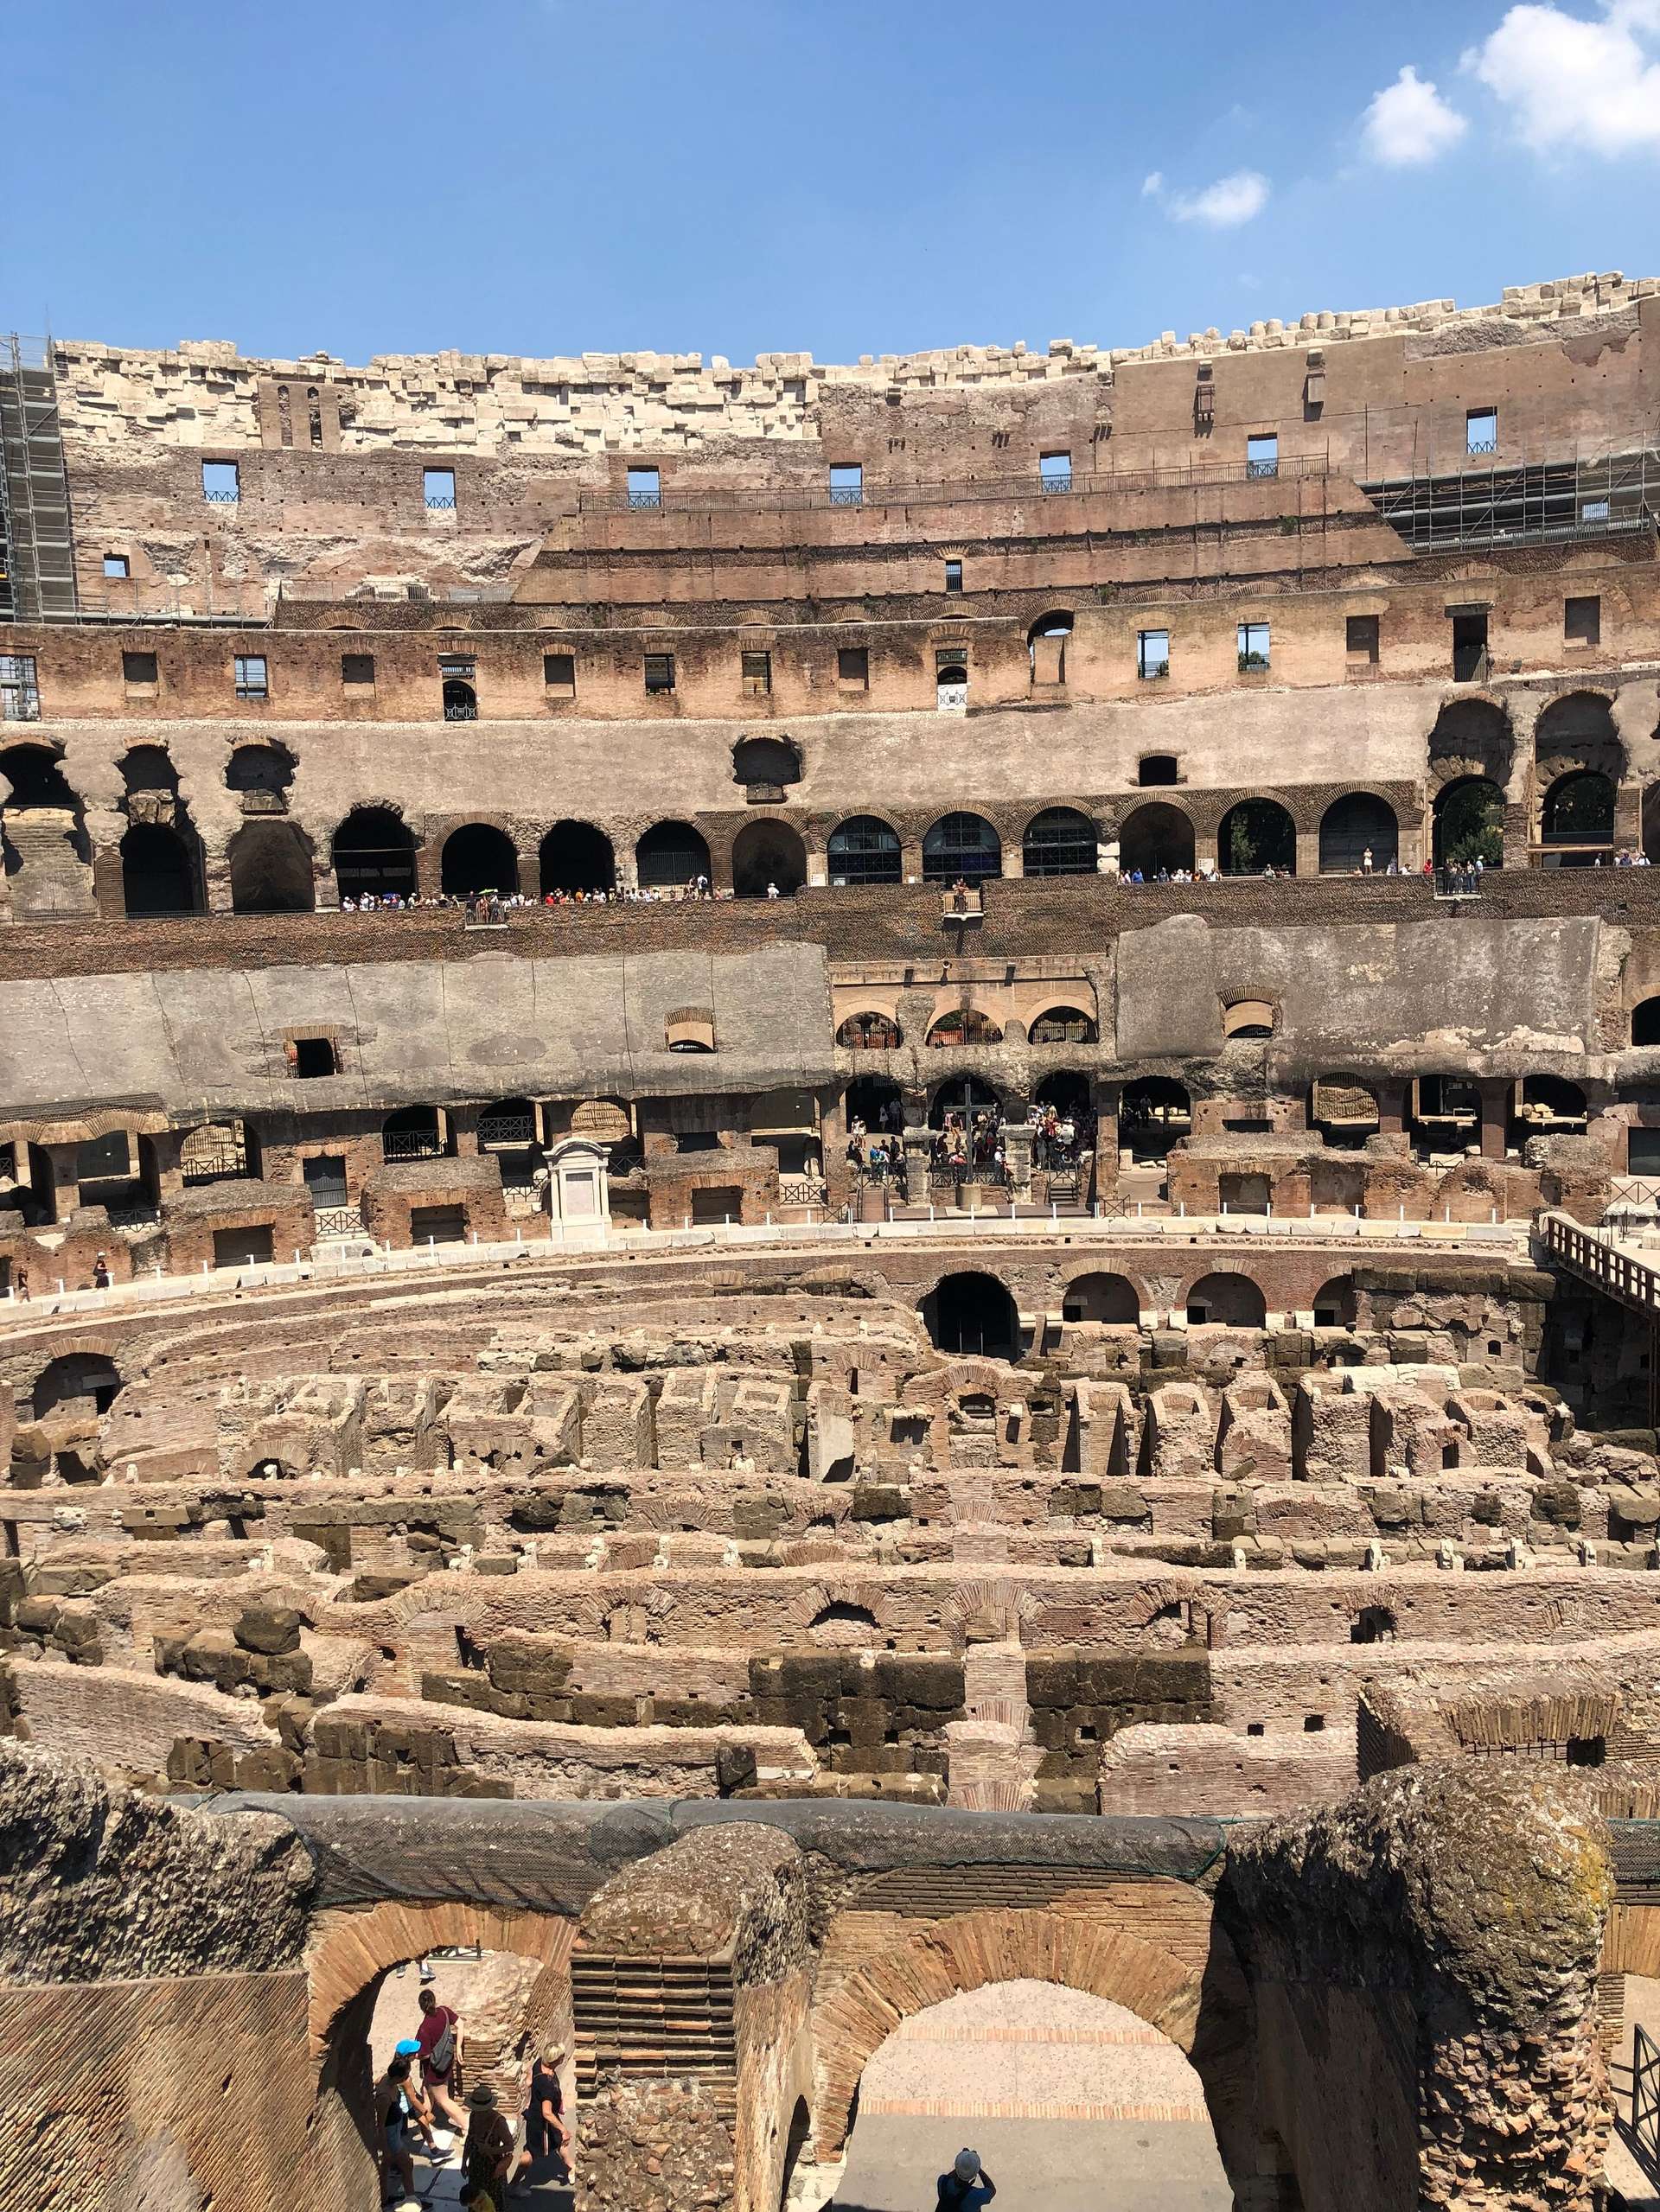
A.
x: 1060, y: 841
x: 1102, y: 1296
x: 159, y: 871
x: 766, y: 762
x: 270, y: 865
x: 261, y: 775
x: 1257, y: 834
x: 350, y: 1949
x: 375, y: 854
x: 1472, y: 737
x: 768, y: 856
x: 1334, y: 1303
x: 1063, y: 1025
x: 970, y: 1311
x: 576, y: 857
x: 1468, y: 822
x: 865, y: 850
x: 75, y: 1376
x: 478, y: 856
x: 1205, y: 2009
x: 1226, y: 1298
x: 1354, y: 826
x: 1153, y: 836
x: 1645, y: 1022
x: 669, y: 856
x: 961, y: 844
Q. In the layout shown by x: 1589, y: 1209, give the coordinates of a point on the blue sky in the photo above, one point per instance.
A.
x: 835, y: 176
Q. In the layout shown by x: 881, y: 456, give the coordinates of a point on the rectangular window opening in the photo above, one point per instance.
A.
x: 659, y: 672
x: 847, y: 484
x: 1361, y: 638
x: 1481, y: 431
x: 1254, y: 646
x: 222, y: 482
x: 757, y: 674
x: 357, y: 668
x: 954, y: 575
x: 854, y: 664
x: 139, y: 668
x: 1262, y: 455
x: 560, y: 673
x: 314, y: 1056
x: 116, y: 564
x: 645, y: 487
x: 1470, y: 647
x: 439, y: 490
x: 251, y: 676
x: 1054, y: 471
x: 1152, y: 653
x: 1595, y: 511
x: 1582, y: 621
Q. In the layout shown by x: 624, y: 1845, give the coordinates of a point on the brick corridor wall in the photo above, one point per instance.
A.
x: 161, y: 2095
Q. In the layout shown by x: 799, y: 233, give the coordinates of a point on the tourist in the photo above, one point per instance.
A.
x: 1366, y: 862
x: 22, y: 1290
x: 490, y: 2155
x: 967, y: 2184
x: 546, y: 2135
x: 101, y: 1273
x: 438, y: 2039
x: 395, y: 2109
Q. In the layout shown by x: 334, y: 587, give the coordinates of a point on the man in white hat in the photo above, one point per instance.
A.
x: 966, y: 2186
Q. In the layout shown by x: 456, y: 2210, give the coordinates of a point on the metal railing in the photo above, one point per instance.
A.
x: 411, y: 1144
x: 802, y: 1190
x: 645, y: 499
x: 440, y: 503
x: 1592, y: 1254
x: 223, y: 498
x: 1641, y: 2132
x: 507, y: 1129
x: 339, y: 1221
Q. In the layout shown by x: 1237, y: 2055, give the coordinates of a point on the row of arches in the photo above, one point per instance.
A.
x: 974, y: 1312
x: 968, y: 1025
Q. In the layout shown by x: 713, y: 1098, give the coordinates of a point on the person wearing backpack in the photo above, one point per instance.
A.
x: 439, y: 2037
x: 966, y: 2187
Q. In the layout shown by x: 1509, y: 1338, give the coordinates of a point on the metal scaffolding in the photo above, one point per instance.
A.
x: 37, y: 565
x: 1533, y: 503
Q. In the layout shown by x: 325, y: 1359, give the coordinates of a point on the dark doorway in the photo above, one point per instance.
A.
x: 158, y: 871
x: 270, y: 871
x: 972, y: 1313
x: 374, y: 854
x: 768, y: 857
x: 479, y: 857
x: 576, y: 857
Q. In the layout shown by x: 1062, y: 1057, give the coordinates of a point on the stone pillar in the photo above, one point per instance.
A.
x: 1205, y: 848
x: 109, y: 890
x: 160, y: 1164
x: 1391, y: 1108
x: 463, y: 1130
x: 429, y: 868
x: 64, y: 1161
x: 1308, y: 852
x: 910, y: 860
x: 1495, y: 1118
x: 1017, y: 1147
x: 919, y: 1150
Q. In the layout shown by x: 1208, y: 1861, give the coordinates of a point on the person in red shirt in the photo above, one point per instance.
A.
x: 439, y: 2037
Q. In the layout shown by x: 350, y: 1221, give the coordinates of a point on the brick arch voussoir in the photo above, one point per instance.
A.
x: 349, y: 1947
x: 972, y: 1950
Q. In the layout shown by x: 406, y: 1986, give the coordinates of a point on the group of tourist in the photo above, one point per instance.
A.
x: 495, y: 906
x: 494, y: 2156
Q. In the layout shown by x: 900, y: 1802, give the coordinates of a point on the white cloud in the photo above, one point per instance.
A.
x: 1409, y: 124
x: 1229, y: 200
x: 1152, y: 184
x: 1570, y: 82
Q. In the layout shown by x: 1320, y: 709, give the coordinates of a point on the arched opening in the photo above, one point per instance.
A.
x: 972, y: 1312
x: 262, y: 774
x: 1645, y: 1022
x: 670, y: 855
x: 951, y: 686
x: 864, y: 850
x: 1154, y: 1114
x: 869, y: 1033
x: 1248, y: 1018
x: 149, y: 769
x: 964, y: 1025
x: 413, y: 1133
x: 963, y: 846
x: 508, y: 1132
x: 1359, y: 835
x: 1046, y: 647
x: 1081, y: 2058
x: 459, y: 700
x: 1345, y: 1111
x: 1334, y: 1303
x: 766, y: 763
x: 159, y: 873
x: 1066, y: 1092
x: 575, y: 857
x: 1060, y: 841
x: 78, y: 1382
x: 1576, y: 819
x: 43, y: 844
x: 1063, y: 1025
x: 36, y: 777
x: 963, y: 1096
x: 1227, y: 1301
x: 1256, y: 835
x: 1469, y: 824
x: 478, y: 857
x: 1156, y: 840
x: 875, y: 1101
x: 1444, y: 1118
x: 374, y: 854
x: 1547, y: 1105
x: 1113, y: 1299
x: 767, y: 858
x: 271, y: 870
x: 1155, y: 769
x: 1472, y: 738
